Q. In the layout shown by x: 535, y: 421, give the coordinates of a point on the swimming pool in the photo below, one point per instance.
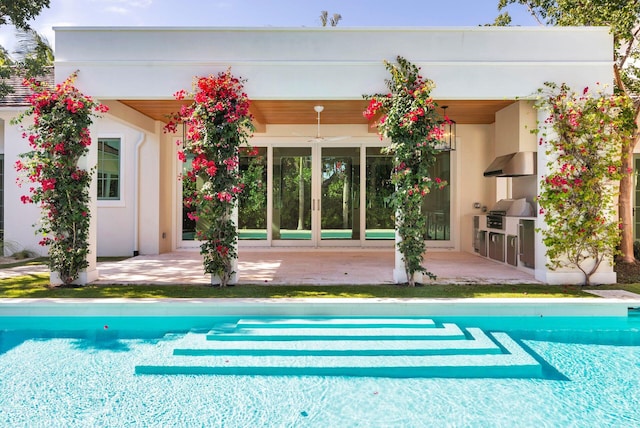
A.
x: 99, y: 371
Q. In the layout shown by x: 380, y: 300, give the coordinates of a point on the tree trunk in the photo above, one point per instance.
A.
x: 301, y: 200
x: 625, y: 203
x: 346, y: 193
x: 625, y: 199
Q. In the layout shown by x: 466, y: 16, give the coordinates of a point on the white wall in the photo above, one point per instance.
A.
x: 115, y: 218
x: 19, y: 218
x: 119, y: 222
x: 474, y: 153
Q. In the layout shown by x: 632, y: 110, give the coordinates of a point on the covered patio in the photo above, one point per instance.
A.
x: 310, y: 267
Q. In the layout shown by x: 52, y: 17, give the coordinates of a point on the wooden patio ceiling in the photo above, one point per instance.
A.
x: 296, y: 112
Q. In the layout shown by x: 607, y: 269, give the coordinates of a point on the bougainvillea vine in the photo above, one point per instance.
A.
x: 59, y: 136
x: 217, y: 123
x: 582, y: 135
x: 407, y: 116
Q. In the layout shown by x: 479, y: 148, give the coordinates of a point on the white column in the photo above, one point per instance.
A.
x: 234, y: 262
x: 399, y: 272
x: 215, y: 279
x: 87, y: 162
x: 564, y: 275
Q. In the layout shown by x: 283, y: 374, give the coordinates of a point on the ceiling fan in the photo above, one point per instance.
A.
x: 318, y: 138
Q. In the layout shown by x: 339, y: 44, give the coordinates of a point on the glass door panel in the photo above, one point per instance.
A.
x: 291, y: 194
x: 340, y: 193
x: 379, y: 219
x: 436, y: 204
x: 252, y: 203
x: 188, y: 187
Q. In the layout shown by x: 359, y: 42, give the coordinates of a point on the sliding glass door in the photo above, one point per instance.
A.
x: 329, y: 194
x: 294, y: 206
x: 340, y: 194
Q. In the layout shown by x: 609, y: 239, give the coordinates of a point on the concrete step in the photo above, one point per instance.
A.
x: 515, y: 362
x: 343, y: 347
x: 478, y: 343
x: 336, y: 323
x: 271, y: 333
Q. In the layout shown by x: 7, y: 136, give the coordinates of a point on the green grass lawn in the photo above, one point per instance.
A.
x: 37, y: 286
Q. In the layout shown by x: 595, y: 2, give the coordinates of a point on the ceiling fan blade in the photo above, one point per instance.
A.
x: 318, y: 138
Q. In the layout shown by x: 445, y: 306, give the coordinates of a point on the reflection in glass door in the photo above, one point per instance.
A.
x: 436, y: 205
x: 252, y: 202
x: 340, y: 193
x: 380, y: 217
x: 331, y: 195
x: 291, y: 194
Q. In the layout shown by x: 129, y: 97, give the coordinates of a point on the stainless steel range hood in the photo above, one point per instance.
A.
x: 513, y: 165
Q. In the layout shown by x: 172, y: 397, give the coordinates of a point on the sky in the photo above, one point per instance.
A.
x: 263, y: 13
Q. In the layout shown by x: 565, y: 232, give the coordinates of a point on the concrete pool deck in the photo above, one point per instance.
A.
x: 286, y: 266
x: 309, y: 267
x: 320, y: 307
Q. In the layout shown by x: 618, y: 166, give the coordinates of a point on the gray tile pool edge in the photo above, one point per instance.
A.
x: 531, y: 307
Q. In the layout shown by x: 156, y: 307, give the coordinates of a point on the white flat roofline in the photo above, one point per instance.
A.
x: 478, y: 29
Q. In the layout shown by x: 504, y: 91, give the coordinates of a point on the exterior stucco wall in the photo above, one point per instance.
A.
x: 115, y: 225
x: 117, y: 228
x: 474, y: 154
x: 19, y: 218
x: 167, y: 202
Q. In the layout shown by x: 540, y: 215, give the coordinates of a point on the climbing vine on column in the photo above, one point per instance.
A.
x: 407, y: 116
x: 59, y: 137
x: 582, y: 136
x: 217, y: 123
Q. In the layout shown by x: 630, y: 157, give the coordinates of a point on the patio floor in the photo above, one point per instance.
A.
x: 306, y: 266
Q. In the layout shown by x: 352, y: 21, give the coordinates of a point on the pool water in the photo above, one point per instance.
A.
x: 86, y: 372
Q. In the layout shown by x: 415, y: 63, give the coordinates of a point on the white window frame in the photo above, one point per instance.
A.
x: 120, y: 201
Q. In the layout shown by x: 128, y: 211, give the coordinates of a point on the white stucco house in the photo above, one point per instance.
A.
x: 320, y: 178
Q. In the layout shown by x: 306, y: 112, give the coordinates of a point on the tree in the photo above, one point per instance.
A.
x: 19, y: 13
x: 623, y: 17
x: 333, y: 21
x: 34, y: 53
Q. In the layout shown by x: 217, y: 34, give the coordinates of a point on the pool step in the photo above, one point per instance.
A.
x: 284, y: 333
x: 478, y: 343
x: 292, y: 347
x: 336, y: 323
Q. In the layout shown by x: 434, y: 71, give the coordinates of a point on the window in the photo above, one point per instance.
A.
x: 109, y: 168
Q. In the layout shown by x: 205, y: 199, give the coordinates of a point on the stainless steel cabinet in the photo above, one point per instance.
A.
x: 481, y: 243
x: 496, y: 246
x: 512, y: 250
x: 479, y: 237
x: 527, y: 231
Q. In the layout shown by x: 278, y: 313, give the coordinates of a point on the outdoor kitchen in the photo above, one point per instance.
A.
x: 505, y: 231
